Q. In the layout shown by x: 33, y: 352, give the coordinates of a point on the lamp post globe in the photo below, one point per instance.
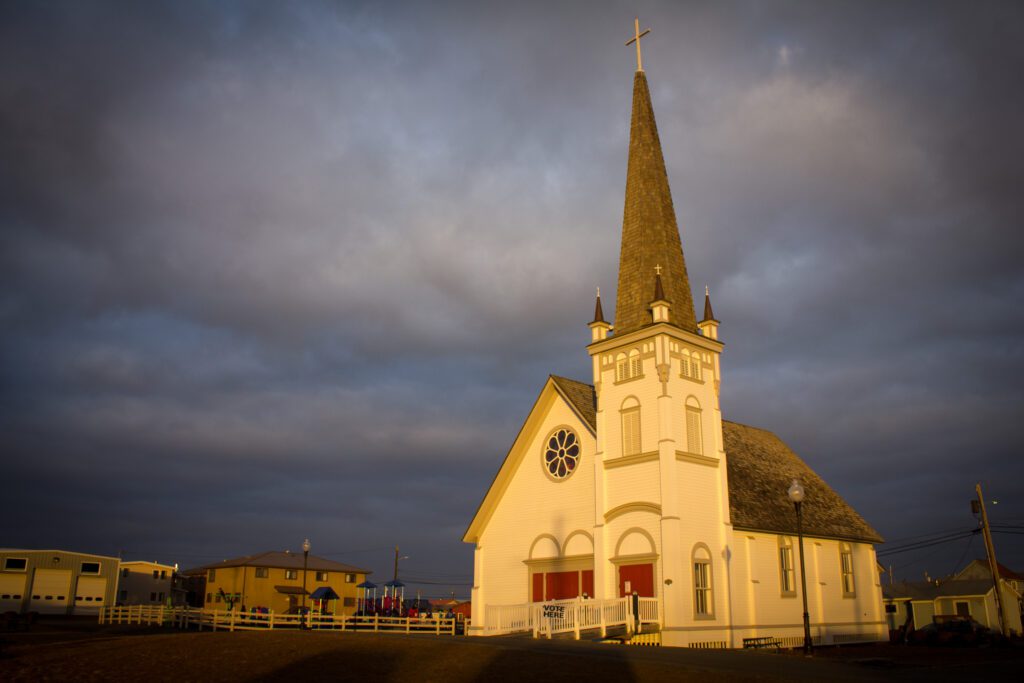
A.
x: 796, y: 492
x: 796, y: 496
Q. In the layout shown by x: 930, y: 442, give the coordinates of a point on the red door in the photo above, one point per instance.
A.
x: 588, y: 582
x: 640, y: 578
x: 562, y: 585
x: 538, y: 588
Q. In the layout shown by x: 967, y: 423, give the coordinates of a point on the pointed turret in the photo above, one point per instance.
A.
x: 708, y: 313
x: 659, y: 305
x: 599, y: 326
x: 708, y: 326
x: 650, y: 235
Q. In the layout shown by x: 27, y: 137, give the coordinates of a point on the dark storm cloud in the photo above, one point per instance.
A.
x: 274, y: 270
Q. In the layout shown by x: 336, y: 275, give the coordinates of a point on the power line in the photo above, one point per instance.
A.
x: 926, y: 544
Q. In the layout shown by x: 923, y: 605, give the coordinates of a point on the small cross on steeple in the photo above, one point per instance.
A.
x: 657, y: 269
x: 636, y: 39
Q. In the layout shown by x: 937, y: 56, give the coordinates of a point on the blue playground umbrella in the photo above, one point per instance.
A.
x: 366, y: 586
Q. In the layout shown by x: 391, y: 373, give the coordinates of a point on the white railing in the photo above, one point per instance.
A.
x: 223, y: 620
x: 650, y: 611
x: 504, y: 619
x: 133, y: 614
x: 564, y: 616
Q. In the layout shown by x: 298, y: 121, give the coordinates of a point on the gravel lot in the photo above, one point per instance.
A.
x: 83, y: 651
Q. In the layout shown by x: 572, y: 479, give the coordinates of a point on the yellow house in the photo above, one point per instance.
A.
x: 278, y: 581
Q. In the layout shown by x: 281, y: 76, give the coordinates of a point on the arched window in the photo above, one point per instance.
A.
x: 703, y: 598
x: 628, y: 367
x: 621, y: 367
x: 630, y: 413
x: 846, y: 569
x: 635, y: 366
x: 691, y: 365
x: 694, y: 437
x: 787, y: 575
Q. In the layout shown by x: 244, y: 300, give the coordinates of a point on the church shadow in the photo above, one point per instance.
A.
x: 562, y: 665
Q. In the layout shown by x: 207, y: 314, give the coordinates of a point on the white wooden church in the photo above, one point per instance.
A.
x: 636, y: 484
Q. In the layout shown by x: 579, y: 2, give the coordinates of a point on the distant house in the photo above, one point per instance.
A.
x: 463, y: 607
x: 922, y: 602
x: 978, y: 569
x: 56, y: 581
x: 146, y: 583
x: 276, y: 580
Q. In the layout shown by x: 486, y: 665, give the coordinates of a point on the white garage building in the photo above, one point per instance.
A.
x: 56, y: 581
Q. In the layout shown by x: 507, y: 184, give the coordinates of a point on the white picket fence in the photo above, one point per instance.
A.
x: 223, y: 620
x: 565, y: 616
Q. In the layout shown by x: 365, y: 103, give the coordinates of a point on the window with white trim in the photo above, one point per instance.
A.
x: 694, y: 436
x: 630, y: 413
x: 628, y: 367
x: 846, y: 568
x: 787, y: 574
x: 621, y: 367
x: 703, y: 600
x: 690, y: 365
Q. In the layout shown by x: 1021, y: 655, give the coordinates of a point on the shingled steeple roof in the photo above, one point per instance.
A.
x: 650, y: 235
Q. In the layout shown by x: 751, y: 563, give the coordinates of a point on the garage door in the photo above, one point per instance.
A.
x: 50, y: 591
x: 12, y: 590
x: 89, y: 594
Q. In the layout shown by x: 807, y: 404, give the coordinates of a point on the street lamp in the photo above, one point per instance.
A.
x: 796, y: 495
x: 305, y: 563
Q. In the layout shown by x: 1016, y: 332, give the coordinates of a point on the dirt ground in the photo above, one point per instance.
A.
x: 84, y: 651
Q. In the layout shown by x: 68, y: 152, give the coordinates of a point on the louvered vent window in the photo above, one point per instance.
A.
x: 621, y: 369
x: 628, y: 367
x: 631, y: 431
x: 694, y: 439
x: 691, y: 366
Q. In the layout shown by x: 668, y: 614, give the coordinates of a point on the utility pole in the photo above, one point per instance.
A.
x: 990, y: 549
x: 396, y: 563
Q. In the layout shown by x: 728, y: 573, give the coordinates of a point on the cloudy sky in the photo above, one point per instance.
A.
x: 276, y: 270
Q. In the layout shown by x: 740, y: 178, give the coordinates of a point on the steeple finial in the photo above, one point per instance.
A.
x: 636, y: 39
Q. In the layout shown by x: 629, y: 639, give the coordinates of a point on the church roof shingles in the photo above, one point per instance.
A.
x: 760, y: 468
x: 650, y: 236
x: 581, y: 396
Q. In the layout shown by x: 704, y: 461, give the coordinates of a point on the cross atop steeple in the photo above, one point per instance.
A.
x: 636, y: 39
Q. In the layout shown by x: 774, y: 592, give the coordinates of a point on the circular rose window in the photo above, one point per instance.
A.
x: 562, y: 453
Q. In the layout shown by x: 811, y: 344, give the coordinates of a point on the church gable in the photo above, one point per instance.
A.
x: 550, y: 465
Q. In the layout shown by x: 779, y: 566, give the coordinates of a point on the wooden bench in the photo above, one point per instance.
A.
x: 762, y: 642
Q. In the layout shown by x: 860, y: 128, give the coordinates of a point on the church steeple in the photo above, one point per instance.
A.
x: 650, y: 235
